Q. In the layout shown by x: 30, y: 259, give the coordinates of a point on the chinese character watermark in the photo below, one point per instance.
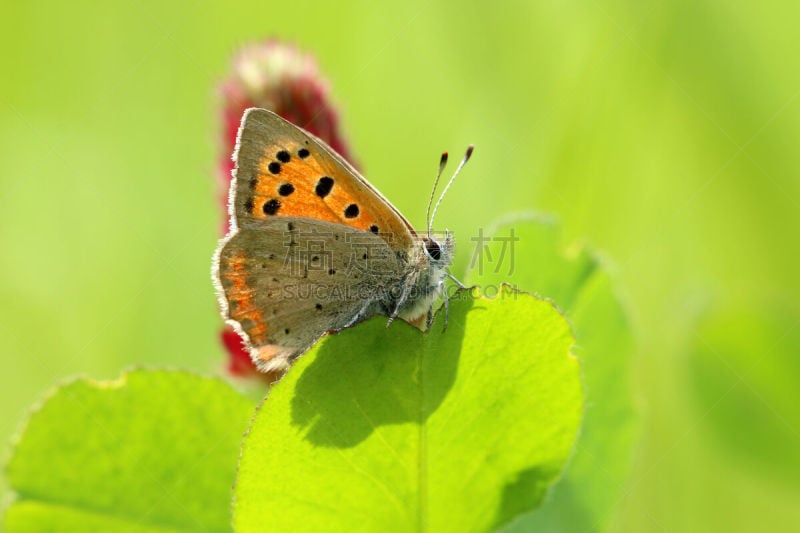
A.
x: 305, y: 251
x: 483, y: 251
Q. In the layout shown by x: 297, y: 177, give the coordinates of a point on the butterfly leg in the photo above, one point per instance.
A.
x: 442, y: 289
x: 408, y: 286
x: 400, y: 302
x: 358, y: 316
x: 457, y: 282
x: 446, y: 304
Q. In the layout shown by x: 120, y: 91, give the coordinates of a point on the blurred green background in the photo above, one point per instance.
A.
x: 662, y: 132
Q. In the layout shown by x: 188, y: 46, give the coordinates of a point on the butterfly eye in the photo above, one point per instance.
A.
x: 433, y: 249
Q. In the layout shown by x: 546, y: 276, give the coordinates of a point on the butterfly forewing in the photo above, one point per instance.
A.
x: 284, y: 172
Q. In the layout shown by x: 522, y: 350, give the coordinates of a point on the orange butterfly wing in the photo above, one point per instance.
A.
x: 282, y: 171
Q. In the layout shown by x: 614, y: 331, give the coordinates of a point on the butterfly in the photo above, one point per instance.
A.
x: 313, y: 248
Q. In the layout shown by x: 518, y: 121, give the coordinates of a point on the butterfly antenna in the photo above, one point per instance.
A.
x: 467, y: 155
x: 442, y: 164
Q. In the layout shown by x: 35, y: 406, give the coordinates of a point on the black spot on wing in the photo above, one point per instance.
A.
x: 351, y: 211
x: 324, y: 186
x: 271, y: 207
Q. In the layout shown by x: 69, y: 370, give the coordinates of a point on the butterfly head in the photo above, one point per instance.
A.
x: 439, y: 252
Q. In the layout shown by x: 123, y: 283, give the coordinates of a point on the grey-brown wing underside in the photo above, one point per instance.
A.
x: 285, y: 282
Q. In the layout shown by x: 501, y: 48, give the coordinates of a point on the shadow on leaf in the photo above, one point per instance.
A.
x: 371, y: 375
x: 526, y: 491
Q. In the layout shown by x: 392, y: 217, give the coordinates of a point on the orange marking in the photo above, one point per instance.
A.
x: 240, y: 298
x: 269, y: 352
x: 304, y: 174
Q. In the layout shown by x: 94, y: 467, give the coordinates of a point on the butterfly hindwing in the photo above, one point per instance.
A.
x: 284, y: 282
x: 281, y: 171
